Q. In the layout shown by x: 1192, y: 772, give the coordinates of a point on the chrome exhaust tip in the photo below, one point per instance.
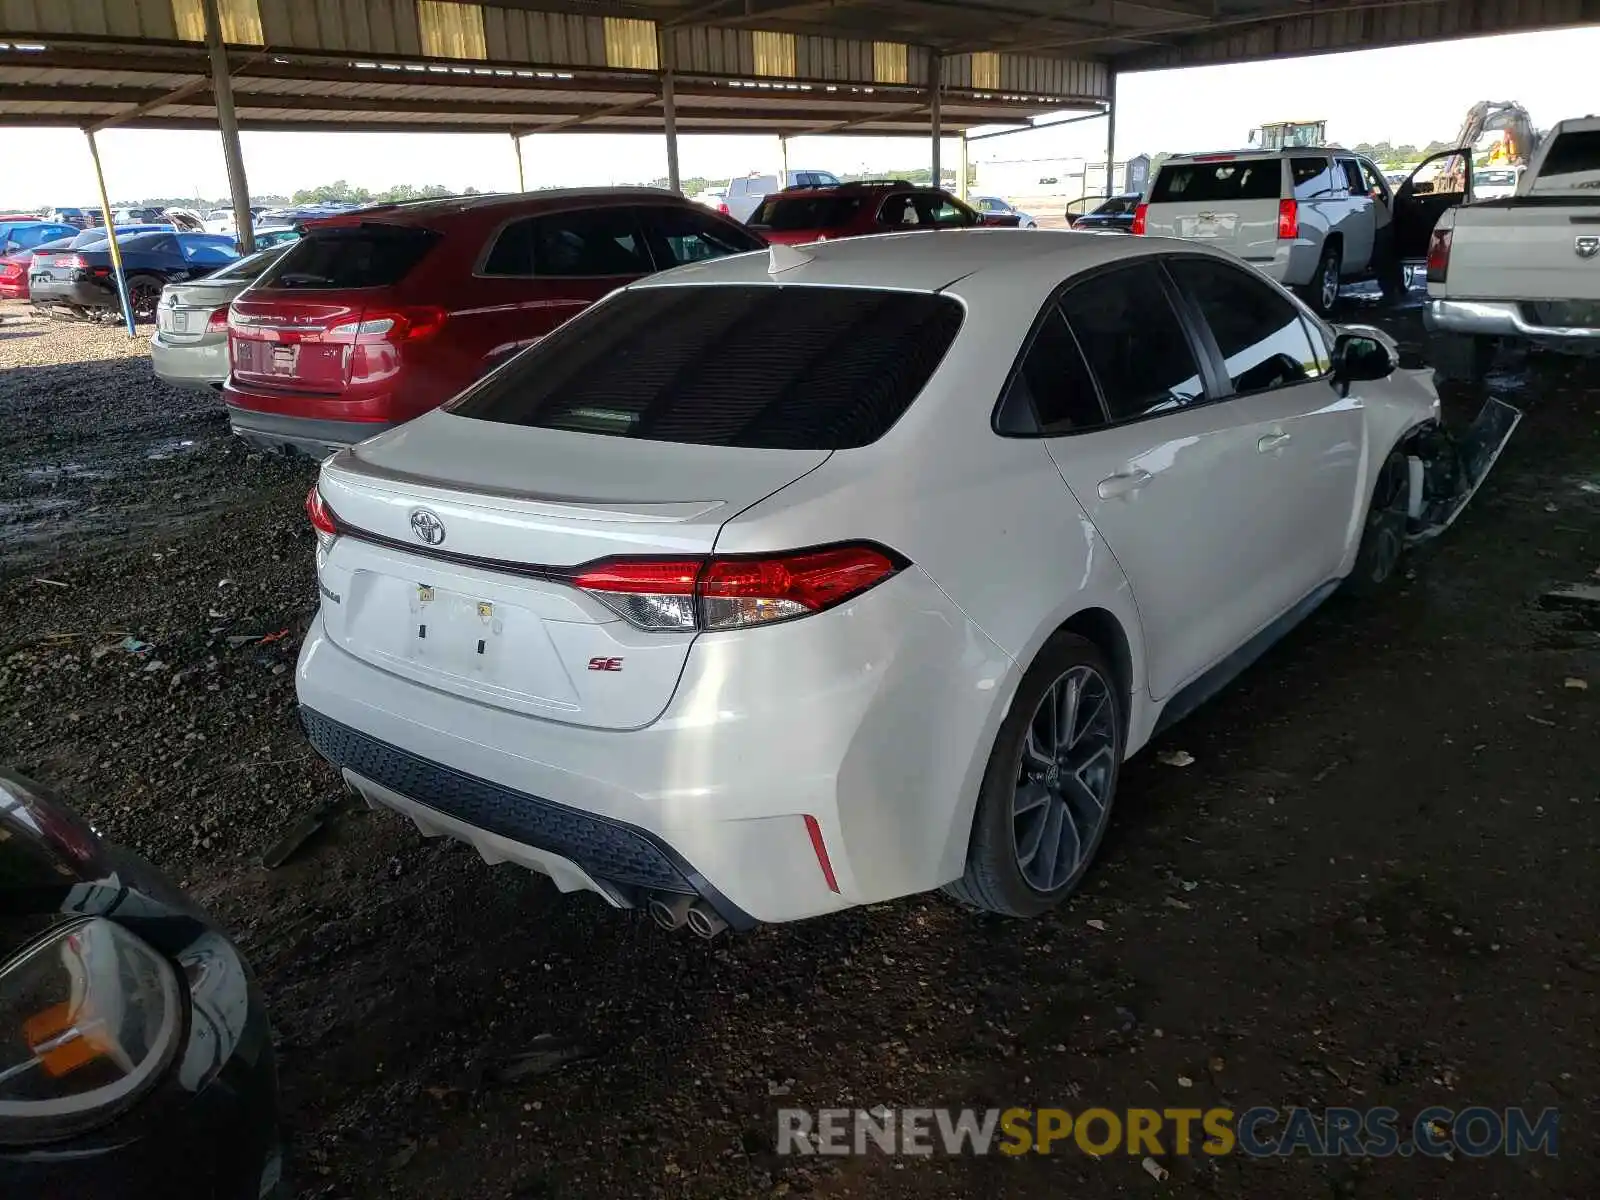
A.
x: 670, y: 912
x: 703, y: 921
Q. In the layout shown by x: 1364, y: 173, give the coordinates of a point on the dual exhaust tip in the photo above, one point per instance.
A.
x: 674, y: 912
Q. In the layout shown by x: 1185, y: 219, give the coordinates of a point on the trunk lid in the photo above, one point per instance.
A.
x: 470, y: 598
x: 1525, y: 250
x: 185, y: 311
x: 286, y: 339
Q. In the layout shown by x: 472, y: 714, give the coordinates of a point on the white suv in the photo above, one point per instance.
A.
x: 1309, y: 218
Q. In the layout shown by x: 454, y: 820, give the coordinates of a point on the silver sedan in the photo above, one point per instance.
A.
x: 190, y: 346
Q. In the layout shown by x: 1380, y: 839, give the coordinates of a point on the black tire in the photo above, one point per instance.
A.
x: 994, y: 880
x: 1461, y: 358
x: 1383, y: 537
x: 144, y: 294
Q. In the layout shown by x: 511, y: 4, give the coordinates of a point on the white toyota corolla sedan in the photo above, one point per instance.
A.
x: 814, y: 577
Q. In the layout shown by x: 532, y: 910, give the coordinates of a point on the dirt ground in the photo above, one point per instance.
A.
x: 1375, y: 884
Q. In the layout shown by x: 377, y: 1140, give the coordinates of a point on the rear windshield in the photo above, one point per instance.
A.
x: 1572, y: 162
x: 793, y: 368
x: 358, y: 256
x: 1208, y: 182
x: 780, y: 213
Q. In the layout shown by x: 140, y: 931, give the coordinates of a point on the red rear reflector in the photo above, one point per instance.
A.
x: 217, y: 322
x: 1439, y: 255
x: 321, y: 518
x: 1288, y: 220
x: 1138, y: 219
x: 733, y: 592
x: 821, y: 849
x: 724, y: 210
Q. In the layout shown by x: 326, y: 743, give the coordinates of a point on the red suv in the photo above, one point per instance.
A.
x: 377, y: 316
x: 814, y: 214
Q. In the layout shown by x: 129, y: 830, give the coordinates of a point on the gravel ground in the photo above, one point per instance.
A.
x: 1375, y: 883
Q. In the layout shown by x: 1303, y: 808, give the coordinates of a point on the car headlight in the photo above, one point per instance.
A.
x: 90, y: 1018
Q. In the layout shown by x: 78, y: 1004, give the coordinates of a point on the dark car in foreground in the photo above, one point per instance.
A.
x: 85, y: 279
x: 814, y: 214
x: 374, y: 317
x: 1113, y: 214
x: 135, y: 1056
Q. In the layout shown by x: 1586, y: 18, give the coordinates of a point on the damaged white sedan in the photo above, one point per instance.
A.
x: 812, y: 578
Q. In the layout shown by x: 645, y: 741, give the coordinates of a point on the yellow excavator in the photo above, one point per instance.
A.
x: 1513, y: 148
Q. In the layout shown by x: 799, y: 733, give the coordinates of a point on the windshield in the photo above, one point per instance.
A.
x: 789, y: 368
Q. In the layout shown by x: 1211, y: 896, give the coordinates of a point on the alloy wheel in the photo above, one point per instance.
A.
x: 144, y: 297
x: 1330, y: 283
x: 1064, y: 779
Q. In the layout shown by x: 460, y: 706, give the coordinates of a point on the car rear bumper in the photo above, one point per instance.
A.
x: 304, y: 435
x: 14, y: 289
x: 875, y: 720
x: 78, y: 293
x: 1499, y: 318
x: 190, y: 364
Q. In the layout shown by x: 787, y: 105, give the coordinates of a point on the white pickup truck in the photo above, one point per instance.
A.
x: 1525, y: 269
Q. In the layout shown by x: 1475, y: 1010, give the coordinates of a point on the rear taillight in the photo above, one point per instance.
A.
x: 736, y: 591
x: 1138, y: 219
x: 389, y: 325
x: 10, y: 270
x: 217, y: 322
x: 1439, y: 255
x: 724, y: 210
x: 73, y: 262
x: 1288, y: 220
x: 321, y: 519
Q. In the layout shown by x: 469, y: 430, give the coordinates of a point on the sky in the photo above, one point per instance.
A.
x: 1413, y: 94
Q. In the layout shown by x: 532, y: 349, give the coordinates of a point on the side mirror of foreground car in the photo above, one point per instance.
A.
x: 1362, y: 353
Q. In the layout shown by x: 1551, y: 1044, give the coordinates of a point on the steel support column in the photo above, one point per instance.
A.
x: 962, y: 169
x: 222, y: 93
x: 111, y: 234
x: 516, y: 148
x: 783, y: 161
x: 669, y: 108
x: 935, y: 73
x: 1111, y: 135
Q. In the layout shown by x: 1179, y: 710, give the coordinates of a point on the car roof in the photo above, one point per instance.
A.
x: 1020, y: 266
x: 418, y: 212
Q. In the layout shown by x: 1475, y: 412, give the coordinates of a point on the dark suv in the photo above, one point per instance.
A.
x: 814, y: 214
x: 378, y: 315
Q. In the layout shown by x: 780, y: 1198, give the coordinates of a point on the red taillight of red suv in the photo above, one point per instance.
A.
x: 1288, y: 220
x: 1139, y: 215
x: 1439, y: 255
x: 736, y: 591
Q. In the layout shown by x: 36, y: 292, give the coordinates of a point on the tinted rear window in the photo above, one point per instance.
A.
x: 776, y: 367
x: 364, y: 256
x: 1573, y: 161
x: 780, y: 213
x: 1208, y: 182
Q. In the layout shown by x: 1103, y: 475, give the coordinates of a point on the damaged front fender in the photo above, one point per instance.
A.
x: 1446, y: 469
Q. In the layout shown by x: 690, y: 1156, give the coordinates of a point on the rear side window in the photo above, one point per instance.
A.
x: 682, y: 236
x: 593, y: 242
x: 1053, y: 381
x: 1573, y: 161
x: 786, y: 213
x: 1210, y: 182
x: 1259, y: 331
x: 1133, y: 342
x: 1312, y: 179
x: 363, y: 256
x: 766, y: 366
x: 1350, y: 176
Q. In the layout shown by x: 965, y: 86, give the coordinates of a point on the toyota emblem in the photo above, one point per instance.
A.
x: 427, y: 526
x: 1587, y: 245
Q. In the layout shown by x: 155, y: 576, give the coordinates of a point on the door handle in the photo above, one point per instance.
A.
x: 1121, y: 485
x: 1272, y: 441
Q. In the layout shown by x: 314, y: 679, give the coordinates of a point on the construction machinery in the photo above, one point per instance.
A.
x: 1284, y: 135
x: 1513, y: 148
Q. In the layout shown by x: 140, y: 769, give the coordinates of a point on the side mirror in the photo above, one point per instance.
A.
x: 1363, y: 353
